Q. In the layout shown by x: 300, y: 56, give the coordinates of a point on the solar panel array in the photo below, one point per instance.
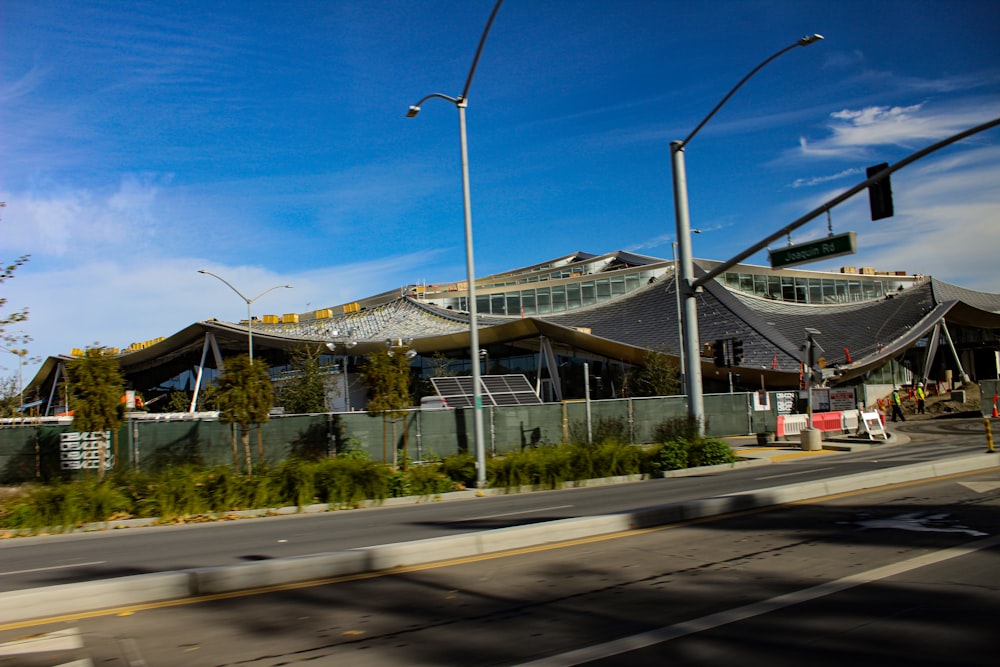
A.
x: 496, y: 390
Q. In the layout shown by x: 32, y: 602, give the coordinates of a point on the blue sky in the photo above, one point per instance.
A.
x: 267, y: 142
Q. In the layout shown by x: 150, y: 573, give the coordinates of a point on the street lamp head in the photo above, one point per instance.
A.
x: 809, y: 39
x: 202, y: 271
x: 412, y: 113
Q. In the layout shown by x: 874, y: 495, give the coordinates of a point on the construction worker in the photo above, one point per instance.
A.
x: 897, y: 405
x: 920, y: 398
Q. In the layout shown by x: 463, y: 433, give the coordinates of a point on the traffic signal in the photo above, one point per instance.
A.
x: 737, y: 352
x: 719, y: 353
x: 880, y: 193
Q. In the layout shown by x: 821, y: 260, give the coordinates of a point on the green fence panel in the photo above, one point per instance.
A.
x: 364, y: 432
x: 607, y: 417
x: 649, y: 413
x: 728, y: 414
x: 155, y: 445
x: 526, y: 426
x: 30, y: 453
x: 447, y: 432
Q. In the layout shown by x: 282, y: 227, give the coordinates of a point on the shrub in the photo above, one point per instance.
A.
x: 605, y: 429
x: 460, y: 468
x: 710, y: 451
x: 428, y: 480
x: 292, y: 482
x: 683, y: 453
x: 672, y: 455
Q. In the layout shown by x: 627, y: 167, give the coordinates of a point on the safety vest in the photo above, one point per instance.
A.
x: 920, y: 393
x: 895, y: 398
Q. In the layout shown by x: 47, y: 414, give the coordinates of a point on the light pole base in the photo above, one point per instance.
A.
x: 812, y: 440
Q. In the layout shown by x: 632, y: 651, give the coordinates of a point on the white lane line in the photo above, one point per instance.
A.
x: 670, y: 632
x: 53, y: 567
x: 496, y: 516
x: 797, y: 474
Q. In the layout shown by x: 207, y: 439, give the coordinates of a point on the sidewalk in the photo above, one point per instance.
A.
x: 746, y: 447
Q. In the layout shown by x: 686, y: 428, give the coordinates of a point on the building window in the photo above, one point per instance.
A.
x: 528, y: 302
x: 498, y: 304
x: 514, y: 303
x: 558, y: 298
x: 573, y: 296
x: 543, y: 300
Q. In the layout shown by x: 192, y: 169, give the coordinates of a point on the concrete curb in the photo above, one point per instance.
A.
x: 140, y: 589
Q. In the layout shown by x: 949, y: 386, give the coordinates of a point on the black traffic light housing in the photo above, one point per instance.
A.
x: 737, y: 352
x: 880, y: 193
x: 719, y: 352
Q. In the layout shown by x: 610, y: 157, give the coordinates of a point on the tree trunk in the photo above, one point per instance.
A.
x: 395, y: 449
x: 260, y: 447
x: 245, y: 436
x: 102, y: 455
x: 406, y: 432
x: 385, y: 455
x: 236, y: 457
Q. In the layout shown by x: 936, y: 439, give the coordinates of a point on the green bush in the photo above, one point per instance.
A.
x: 710, y: 451
x: 292, y: 482
x: 461, y: 468
x: 61, y: 506
x: 684, y: 453
x: 429, y: 480
x: 672, y: 455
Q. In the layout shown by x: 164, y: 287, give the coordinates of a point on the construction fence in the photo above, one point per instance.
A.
x: 47, y: 449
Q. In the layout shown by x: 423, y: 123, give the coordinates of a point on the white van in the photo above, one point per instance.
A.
x: 433, y: 403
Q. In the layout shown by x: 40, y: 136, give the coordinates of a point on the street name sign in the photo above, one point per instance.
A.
x: 801, y: 253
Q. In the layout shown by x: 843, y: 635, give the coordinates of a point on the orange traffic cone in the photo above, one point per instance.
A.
x: 995, y: 412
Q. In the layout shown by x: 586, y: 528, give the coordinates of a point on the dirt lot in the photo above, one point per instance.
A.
x: 941, y: 405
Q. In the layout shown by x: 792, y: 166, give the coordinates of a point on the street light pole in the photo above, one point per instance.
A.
x: 689, y: 310
x: 677, y: 294
x: 461, y: 102
x: 248, y: 301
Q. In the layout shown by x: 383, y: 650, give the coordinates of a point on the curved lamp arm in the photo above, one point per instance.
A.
x: 461, y: 100
x: 269, y: 289
x: 804, y: 41
x: 229, y: 284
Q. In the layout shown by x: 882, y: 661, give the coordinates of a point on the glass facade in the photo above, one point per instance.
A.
x: 850, y: 288
x: 557, y: 298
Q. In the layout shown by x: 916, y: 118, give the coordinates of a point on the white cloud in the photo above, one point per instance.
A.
x: 818, y: 180
x: 853, y: 131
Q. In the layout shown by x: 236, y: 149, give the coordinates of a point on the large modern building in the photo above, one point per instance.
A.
x: 610, y: 311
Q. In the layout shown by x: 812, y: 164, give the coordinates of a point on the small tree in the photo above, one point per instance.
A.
x: 95, y: 387
x: 6, y: 273
x: 387, y: 376
x: 659, y: 376
x: 10, y: 398
x: 245, y: 397
x: 306, y: 390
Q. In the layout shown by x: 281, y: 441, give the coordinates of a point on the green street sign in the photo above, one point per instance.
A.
x: 801, y: 253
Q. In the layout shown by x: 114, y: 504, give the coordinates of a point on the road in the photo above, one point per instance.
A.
x: 56, y: 559
x: 902, y: 575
